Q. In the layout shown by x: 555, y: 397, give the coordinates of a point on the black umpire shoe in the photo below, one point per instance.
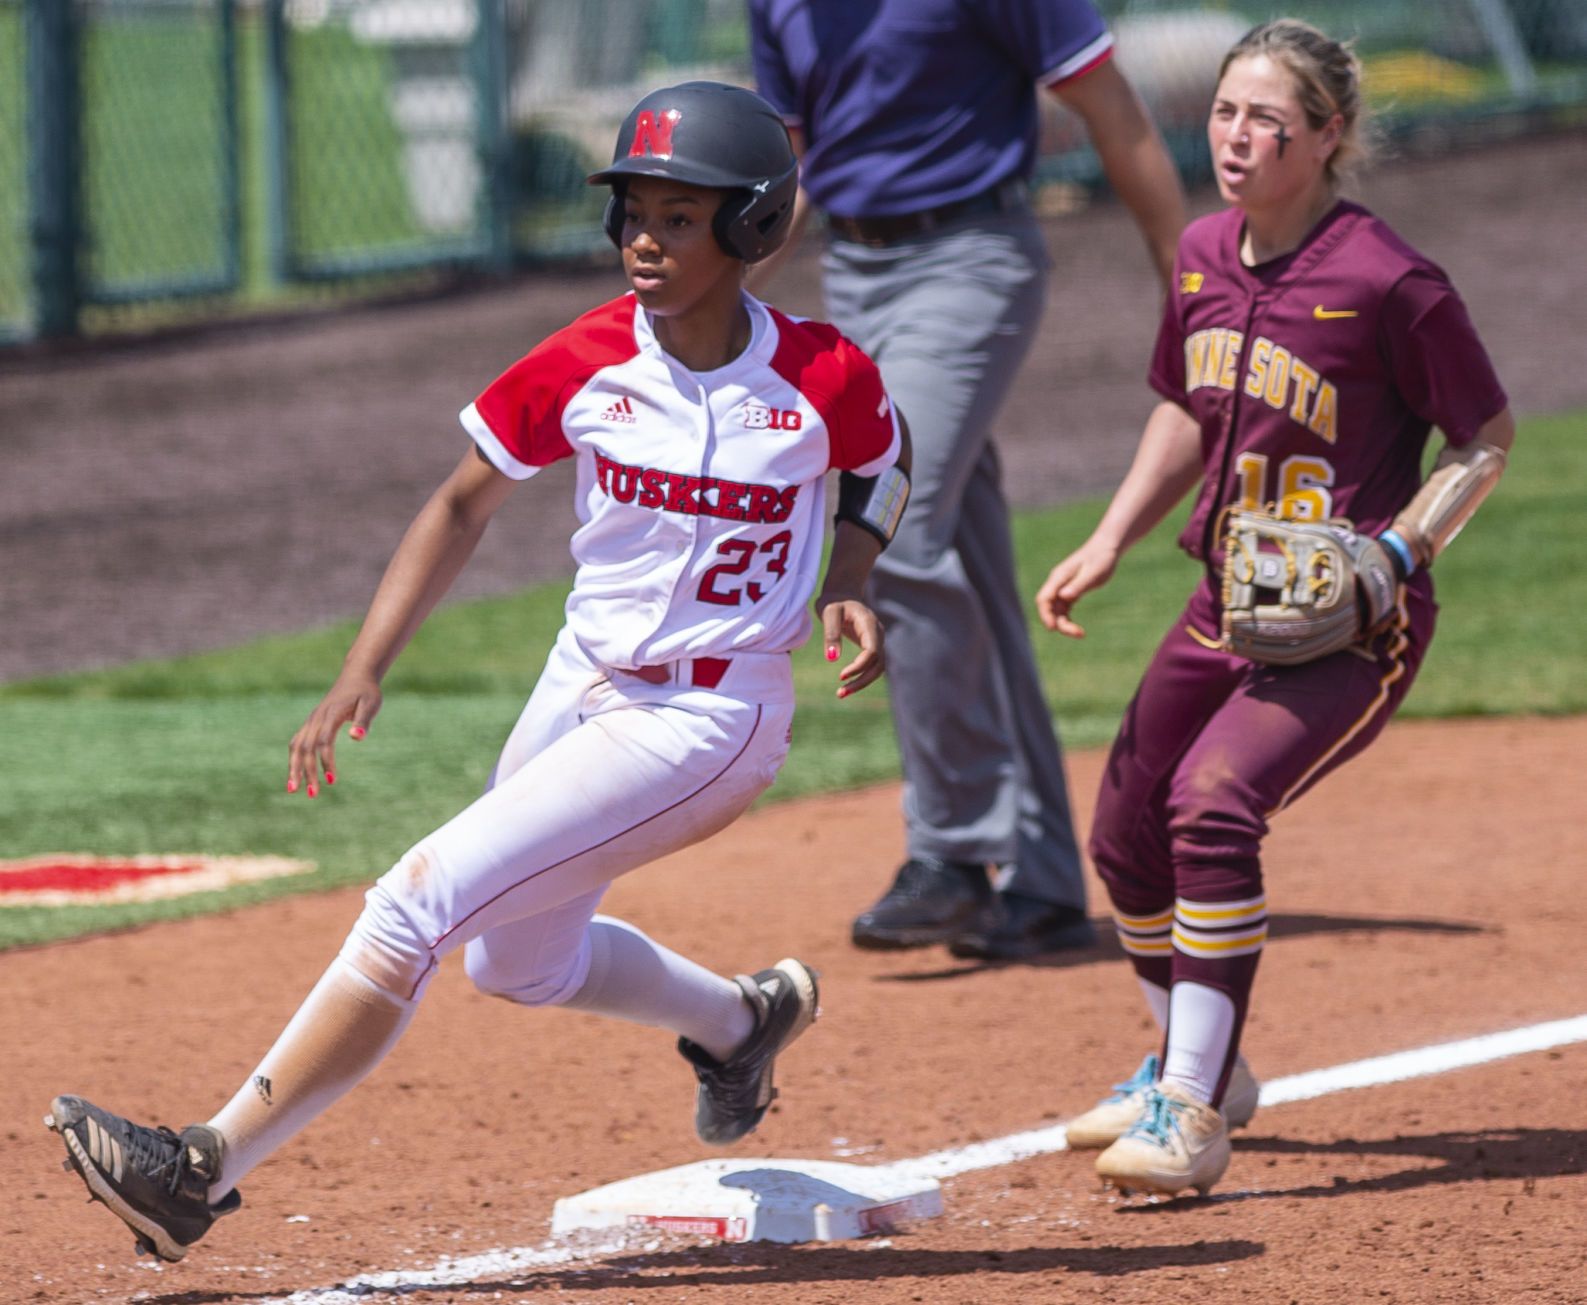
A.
x: 734, y: 1094
x: 1018, y: 928
x: 155, y: 1181
x: 930, y: 901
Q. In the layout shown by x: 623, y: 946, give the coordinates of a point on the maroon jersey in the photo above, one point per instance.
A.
x: 1316, y: 377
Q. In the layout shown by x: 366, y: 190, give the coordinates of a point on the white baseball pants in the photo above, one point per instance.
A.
x: 603, y: 772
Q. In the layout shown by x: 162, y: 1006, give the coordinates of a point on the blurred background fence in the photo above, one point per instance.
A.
x: 182, y: 159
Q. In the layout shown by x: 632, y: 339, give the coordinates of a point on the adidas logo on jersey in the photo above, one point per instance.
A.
x: 622, y: 410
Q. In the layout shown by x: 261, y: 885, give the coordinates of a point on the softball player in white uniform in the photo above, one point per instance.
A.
x: 702, y: 425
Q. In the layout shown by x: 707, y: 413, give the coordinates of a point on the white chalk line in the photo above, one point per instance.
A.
x: 1441, y: 1058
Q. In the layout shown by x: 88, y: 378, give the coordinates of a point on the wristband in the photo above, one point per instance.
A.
x: 1400, y: 552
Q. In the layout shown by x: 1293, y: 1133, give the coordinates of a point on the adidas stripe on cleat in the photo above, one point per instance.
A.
x: 155, y: 1181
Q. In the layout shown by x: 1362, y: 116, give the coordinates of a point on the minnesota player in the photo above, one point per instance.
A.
x: 702, y: 425
x: 1304, y: 354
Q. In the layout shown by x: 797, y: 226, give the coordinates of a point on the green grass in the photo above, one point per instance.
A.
x: 1512, y: 595
x: 189, y: 755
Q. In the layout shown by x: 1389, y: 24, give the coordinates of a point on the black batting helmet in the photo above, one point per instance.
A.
x: 711, y: 134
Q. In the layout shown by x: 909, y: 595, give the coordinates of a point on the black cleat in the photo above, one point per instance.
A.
x: 1020, y: 928
x: 931, y: 901
x: 155, y: 1181
x: 733, y: 1095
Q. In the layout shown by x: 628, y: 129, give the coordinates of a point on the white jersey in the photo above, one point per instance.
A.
x: 700, y: 495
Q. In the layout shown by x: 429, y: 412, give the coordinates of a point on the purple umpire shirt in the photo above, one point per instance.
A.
x: 910, y: 104
x: 1317, y: 377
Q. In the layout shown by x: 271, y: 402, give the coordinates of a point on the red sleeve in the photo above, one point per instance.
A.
x: 845, y: 387
x: 522, y: 408
x: 862, y: 427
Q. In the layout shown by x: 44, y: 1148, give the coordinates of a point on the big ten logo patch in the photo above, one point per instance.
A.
x: 757, y: 416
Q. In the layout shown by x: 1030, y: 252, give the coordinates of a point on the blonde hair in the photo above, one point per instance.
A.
x: 1327, y: 79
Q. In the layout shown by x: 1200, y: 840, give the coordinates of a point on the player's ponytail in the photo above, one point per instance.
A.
x: 1327, y: 82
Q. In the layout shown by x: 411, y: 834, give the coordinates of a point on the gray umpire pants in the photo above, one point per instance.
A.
x: 949, y: 317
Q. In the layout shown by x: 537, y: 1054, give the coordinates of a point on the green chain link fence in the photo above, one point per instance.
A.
x: 389, y: 119
x: 158, y: 149
x: 16, y: 293
x: 234, y: 154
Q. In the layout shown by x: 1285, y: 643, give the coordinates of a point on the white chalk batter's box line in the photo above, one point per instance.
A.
x: 498, y: 1265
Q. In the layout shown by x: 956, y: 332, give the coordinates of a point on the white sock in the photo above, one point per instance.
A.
x: 343, y: 1029
x: 1156, y: 1001
x: 634, y: 978
x: 1200, y: 1025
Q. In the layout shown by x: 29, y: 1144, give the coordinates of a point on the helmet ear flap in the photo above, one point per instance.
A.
x: 752, y: 223
x: 612, y: 218
x: 727, y: 219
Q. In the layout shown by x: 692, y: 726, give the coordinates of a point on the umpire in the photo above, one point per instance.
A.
x: 916, y: 122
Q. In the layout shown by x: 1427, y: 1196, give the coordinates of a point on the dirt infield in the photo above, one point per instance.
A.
x: 1404, y: 914
x: 194, y: 492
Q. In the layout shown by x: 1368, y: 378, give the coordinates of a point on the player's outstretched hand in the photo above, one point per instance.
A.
x: 1089, y: 567
x: 848, y: 617
x: 353, y: 699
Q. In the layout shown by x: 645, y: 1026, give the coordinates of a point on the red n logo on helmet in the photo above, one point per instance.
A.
x: 653, y: 134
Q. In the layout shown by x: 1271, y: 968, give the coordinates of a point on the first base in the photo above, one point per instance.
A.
x: 755, y: 1201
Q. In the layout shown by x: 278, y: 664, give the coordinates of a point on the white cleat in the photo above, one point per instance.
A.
x: 1110, y: 1118
x: 1177, y: 1142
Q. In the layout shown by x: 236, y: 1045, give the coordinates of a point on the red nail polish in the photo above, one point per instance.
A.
x: 329, y: 778
x: 292, y: 786
x: 832, y: 654
x: 357, y: 731
x: 312, y: 790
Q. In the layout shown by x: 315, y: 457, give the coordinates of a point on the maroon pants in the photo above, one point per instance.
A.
x: 1210, y: 748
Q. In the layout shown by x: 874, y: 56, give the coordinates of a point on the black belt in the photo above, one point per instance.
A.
x: 1007, y: 197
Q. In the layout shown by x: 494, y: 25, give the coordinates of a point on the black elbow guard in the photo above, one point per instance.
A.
x: 874, y: 503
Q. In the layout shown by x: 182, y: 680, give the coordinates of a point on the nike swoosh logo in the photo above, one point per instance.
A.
x: 1328, y: 314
